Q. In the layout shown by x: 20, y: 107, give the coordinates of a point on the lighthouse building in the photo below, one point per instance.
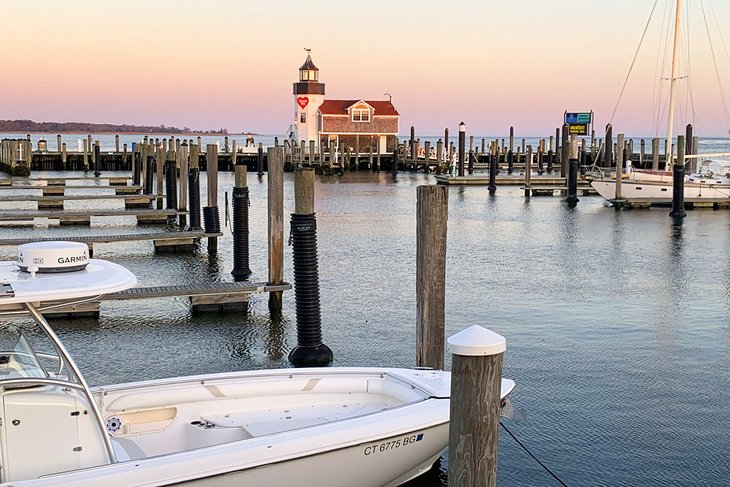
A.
x: 366, y: 124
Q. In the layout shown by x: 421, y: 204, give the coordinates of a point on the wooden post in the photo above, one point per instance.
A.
x: 462, y: 143
x: 275, y: 157
x: 642, y: 152
x: 116, y: 143
x: 159, y: 168
x: 447, y: 147
x: 655, y: 154
x: 619, y: 168
x: 476, y: 387
x: 440, y: 153
x: 184, y: 165
x: 211, y: 159
x: 58, y: 143
x: 565, y: 155
x: 528, y: 171
x: 431, y: 224
x: 234, y: 156
x: 86, y: 155
x: 64, y: 159
x: 678, y: 181
x: 379, y: 149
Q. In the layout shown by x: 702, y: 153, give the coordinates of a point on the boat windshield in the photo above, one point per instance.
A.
x: 17, y: 358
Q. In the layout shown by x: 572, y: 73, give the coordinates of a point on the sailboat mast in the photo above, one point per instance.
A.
x: 673, y: 90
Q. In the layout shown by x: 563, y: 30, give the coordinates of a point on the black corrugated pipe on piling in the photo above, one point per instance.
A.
x: 462, y: 147
x: 97, y: 160
x: 171, y: 185
x: 137, y: 169
x: 260, y: 160
x: 241, y: 269
x: 310, y: 351
x: 493, y: 165
x: 510, y: 162
x: 211, y: 219
x: 194, y: 197
x: 550, y: 161
x: 149, y: 175
x: 572, y: 198
x: 678, y: 181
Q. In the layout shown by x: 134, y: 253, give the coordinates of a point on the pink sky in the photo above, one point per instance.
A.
x: 227, y: 63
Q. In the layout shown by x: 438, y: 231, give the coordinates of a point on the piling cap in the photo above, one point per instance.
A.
x: 476, y: 341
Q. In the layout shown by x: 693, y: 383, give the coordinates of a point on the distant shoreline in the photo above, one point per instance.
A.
x: 175, y: 134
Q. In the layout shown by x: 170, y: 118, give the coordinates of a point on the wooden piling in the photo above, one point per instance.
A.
x: 678, y: 181
x: 655, y: 154
x: 619, y: 168
x: 528, y: 171
x: 432, y: 211
x: 184, y: 165
x: 275, y: 157
x: 64, y: 157
x: 159, y: 168
x: 476, y: 387
x: 58, y: 143
x: 462, y: 144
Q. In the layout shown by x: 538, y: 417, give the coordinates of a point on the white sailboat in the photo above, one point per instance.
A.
x: 314, y: 427
x: 710, y: 184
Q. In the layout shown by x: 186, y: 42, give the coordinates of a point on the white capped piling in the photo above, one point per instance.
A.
x: 476, y: 386
x: 678, y: 181
x: 275, y: 156
x: 432, y: 210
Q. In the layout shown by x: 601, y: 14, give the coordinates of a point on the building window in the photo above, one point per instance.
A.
x: 303, y: 117
x: 360, y: 115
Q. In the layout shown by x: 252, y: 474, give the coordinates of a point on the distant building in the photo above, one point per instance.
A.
x: 367, y: 124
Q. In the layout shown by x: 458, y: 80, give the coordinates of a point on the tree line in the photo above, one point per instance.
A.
x: 86, y: 127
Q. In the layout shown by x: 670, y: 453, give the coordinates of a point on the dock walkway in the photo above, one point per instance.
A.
x: 163, y: 241
x: 208, y: 296
x: 84, y: 217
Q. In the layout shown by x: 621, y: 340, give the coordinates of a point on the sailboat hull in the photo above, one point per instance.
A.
x: 657, y: 192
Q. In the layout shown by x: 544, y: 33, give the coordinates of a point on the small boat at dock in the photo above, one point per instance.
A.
x: 314, y: 426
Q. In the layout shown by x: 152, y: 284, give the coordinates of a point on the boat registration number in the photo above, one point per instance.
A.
x: 393, y: 444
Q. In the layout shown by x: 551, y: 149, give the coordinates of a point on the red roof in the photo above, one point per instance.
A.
x: 339, y: 107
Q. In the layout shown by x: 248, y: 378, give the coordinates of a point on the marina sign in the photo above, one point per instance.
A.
x: 578, y: 128
x: 578, y: 118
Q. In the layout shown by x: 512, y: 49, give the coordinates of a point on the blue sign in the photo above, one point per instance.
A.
x: 578, y: 117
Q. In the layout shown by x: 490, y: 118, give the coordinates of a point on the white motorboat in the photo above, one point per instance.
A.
x: 315, y: 427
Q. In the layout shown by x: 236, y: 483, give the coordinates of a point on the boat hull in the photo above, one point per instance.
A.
x: 636, y: 191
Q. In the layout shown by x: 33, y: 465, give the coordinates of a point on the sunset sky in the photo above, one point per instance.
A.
x: 231, y: 63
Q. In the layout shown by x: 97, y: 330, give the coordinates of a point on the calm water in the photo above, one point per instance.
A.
x: 617, y: 323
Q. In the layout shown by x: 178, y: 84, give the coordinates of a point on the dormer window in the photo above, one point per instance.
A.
x: 360, y: 114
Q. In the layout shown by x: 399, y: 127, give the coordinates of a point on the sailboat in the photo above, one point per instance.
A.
x: 710, y: 184
x: 314, y: 427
